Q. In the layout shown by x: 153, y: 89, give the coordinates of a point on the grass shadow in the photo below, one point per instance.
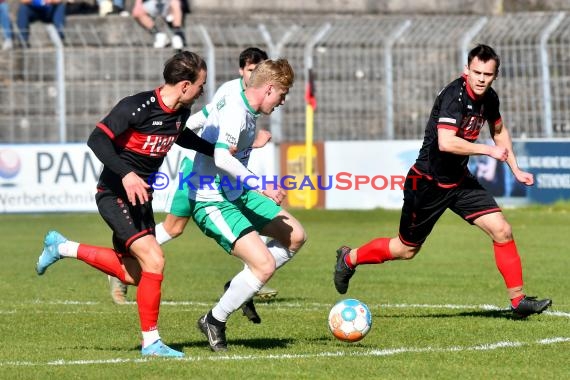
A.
x: 256, y: 343
x: 503, y: 314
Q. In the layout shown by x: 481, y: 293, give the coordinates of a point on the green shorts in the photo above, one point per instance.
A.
x: 177, y: 200
x: 227, y: 221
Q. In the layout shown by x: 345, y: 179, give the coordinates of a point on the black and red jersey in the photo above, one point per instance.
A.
x: 457, y: 108
x: 142, y: 129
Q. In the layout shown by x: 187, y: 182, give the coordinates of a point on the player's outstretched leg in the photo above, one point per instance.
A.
x: 216, y: 334
x: 530, y: 305
x: 247, y: 308
x: 160, y: 349
x: 118, y: 290
x: 342, y: 273
x: 50, y: 254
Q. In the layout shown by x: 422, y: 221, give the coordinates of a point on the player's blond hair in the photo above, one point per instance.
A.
x: 277, y: 72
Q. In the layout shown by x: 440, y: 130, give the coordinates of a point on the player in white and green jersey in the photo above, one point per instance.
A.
x: 177, y: 201
x: 232, y: 205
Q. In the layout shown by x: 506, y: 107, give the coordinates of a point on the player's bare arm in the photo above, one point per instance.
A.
x: 450, y: 143
x: 502, y: 138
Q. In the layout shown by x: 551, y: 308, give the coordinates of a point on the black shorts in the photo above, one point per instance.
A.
x: 128, y: 222
x: 425, y: 201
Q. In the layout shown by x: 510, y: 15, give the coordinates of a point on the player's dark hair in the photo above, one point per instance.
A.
x: 184, y: 65
x: 251, y: 55
x: 485, y: 53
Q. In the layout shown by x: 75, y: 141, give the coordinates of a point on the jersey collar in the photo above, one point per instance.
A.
x: 469, y: 89
x: 254, y: 112
x: 164, y: 107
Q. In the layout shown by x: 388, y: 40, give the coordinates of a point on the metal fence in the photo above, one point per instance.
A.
x: 376, y: 77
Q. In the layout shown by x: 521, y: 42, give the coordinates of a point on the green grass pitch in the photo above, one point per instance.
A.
x: 440, y: 315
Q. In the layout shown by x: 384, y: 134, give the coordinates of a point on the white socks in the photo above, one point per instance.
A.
x: 149, y: 337
x: 161, y: 235
x: 245, y: 285
x: 68, y: 249
x: 281, y: 254
x: 242, y: 287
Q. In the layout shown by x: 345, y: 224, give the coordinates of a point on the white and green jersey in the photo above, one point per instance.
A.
x: 231, y: 122
x: 197, y: 120
x: 177, y: 198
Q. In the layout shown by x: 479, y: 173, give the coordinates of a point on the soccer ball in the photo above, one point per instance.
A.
x: 350, y: 320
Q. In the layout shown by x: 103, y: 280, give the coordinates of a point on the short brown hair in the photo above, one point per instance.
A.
x: 184, y: 65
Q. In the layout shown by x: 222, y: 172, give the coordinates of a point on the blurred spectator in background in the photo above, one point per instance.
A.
x: 48, y: 11
x: 147, y: 11
x: 107, y: 7
x: 6, y: 25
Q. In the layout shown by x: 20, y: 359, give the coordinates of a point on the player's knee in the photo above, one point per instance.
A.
x: 153, y: 262
x: 503, y: 233
x: 264, y: 269
x: 298, y: 239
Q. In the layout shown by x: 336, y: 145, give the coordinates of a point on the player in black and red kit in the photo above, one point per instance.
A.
x: 132, y: 142
x: 440, y: 180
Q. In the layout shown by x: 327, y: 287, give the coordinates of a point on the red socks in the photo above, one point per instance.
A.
x: 148, y: 292
x: 515, y: 301
x: 509, y: 264
x: 148, y: 300
x: 374, y: 252
x: 104, y: 259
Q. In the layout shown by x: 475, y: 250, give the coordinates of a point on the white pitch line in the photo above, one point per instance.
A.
x: 305, y: 306
x: 368, y: 353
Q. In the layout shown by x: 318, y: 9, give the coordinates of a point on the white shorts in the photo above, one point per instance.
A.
x: 156, y: 8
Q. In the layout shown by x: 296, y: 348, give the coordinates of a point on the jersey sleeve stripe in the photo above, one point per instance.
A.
x: 106, y: 130
x: 221, y: 145
x: 447, y: 120
x: 205, y: 111
x: 447, y: 126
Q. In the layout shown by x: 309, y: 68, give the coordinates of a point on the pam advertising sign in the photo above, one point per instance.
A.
x: 63, y: 177
x: 39, y: 178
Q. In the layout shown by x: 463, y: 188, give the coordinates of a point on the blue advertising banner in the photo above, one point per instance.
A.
x: 548, y: 161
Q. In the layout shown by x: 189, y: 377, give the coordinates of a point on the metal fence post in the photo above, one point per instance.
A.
x: 467, y: 38
x: 388, y: 44
x: 60, y: 79
x: 274, y: 51
x: 545, y: 69
x: 210, y: 61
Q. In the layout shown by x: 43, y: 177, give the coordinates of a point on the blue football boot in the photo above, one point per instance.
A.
x: 160, y: 349
x: 50, y: 254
